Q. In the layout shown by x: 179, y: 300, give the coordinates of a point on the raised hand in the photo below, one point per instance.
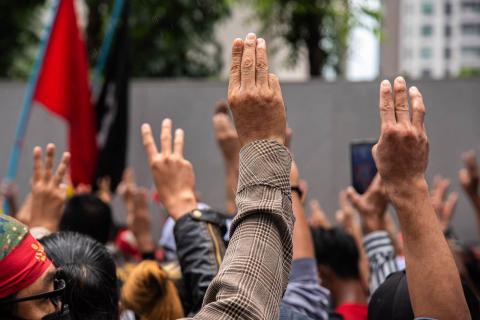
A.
x: 139, y: 220
x: 127, y: 187
x: 371, y: 205
x: 48, y: 193
x: 227, y: 140
x: 469, y: 176
x: 254, y: 95
x: 173, y: 175
x: 104, y: 192
x: 401, y: 154
x: 318, y: 217
x: 445, y: 208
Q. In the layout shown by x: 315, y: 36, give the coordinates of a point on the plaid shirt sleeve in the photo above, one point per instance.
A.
x: 381, y: 257
x: 255, y: 269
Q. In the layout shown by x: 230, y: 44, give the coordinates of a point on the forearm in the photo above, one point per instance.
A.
x: 302, y: 238
x: 428, y: 257
x: 254, y: 273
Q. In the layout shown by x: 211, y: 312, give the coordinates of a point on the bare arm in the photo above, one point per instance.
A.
x: 302, y: 238
x: 401, y: 156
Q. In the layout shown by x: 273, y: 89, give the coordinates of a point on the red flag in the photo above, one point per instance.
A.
x: 63, y: 88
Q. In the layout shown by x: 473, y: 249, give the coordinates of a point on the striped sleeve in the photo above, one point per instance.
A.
x: 304, y: 293
x: 381, y: 257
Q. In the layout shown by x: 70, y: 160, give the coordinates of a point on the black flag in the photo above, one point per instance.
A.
x: 112, y: 107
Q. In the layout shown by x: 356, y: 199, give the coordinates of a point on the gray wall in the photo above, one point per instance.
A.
x: 325, y: 117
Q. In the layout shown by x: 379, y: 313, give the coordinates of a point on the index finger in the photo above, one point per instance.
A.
x: 149, y: 142
x: 62, y: 169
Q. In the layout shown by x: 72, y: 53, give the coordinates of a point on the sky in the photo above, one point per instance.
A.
x: 363, y: 59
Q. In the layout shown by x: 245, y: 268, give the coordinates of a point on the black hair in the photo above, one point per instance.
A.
x: 87, y: 214
x: 338, y: 250
x: 89, y: 272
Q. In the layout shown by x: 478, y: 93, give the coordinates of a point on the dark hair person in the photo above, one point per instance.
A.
x: 28, y: 285
x: 337, y: 259
x: 84, y: 211
x: 89, y: 273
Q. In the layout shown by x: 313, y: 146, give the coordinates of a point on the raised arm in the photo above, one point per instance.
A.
x: 401, y: 156
x: 254, y: 273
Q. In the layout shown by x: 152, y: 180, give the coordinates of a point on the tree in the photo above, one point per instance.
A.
x: 18, y: 36
x: 168, y: 38
x: 322, y: 27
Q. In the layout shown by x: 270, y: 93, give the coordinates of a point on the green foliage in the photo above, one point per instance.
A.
x: 322, y: 27
x: 168, y: 38
x: 469, y: 73
x: 19, y: 36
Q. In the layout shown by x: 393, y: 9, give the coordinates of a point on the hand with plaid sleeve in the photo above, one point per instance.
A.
x: 254, y: 273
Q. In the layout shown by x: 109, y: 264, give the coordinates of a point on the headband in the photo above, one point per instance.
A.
x: 22, y: 266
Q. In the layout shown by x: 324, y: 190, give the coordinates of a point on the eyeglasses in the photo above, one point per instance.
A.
x: 55, y: 296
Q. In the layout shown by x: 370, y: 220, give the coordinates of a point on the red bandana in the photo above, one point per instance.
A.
x: 22, y: 266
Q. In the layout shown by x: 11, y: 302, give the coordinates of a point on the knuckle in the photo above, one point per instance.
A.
x: 262, y: 65
x: 235, y: 68
x: 247, y: 62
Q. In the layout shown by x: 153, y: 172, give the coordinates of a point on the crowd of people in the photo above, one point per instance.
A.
x: 62, y: 256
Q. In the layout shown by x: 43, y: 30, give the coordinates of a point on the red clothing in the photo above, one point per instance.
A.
x: 353, y: 311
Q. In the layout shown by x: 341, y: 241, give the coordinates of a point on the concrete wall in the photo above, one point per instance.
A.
x: 325, y: 117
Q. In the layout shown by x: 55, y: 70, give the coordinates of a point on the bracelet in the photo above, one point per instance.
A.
x: 297, y: 190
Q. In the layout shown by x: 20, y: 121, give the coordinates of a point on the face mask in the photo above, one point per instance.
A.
x: 63, y: 315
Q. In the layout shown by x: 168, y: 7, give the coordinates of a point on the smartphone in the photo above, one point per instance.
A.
x: 363, y: 166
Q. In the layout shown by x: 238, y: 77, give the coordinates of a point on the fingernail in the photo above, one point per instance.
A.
x: 400, y: 79
x: 237, y: 42
x: 261, y: 43
x: 385, y: 83
x: 251, y: 36
x: 166, y: 122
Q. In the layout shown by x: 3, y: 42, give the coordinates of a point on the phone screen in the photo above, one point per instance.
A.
x: 363, y: 166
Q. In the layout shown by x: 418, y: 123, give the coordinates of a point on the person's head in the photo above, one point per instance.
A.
x: 150, y: 293
x: 89, y: 273
x: 336, y: 254
x: 87, y: 214
x: 28, y: 285
x: 392, y: 301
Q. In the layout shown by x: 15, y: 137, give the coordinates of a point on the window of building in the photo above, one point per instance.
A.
x: 426, y: 53
x: 471, y: 51
x: 427, y: 30
x: 426, y: 73
x: 447, y: 53
x: 471, y: 29
x: 471, y: 6
x: 427, y: 8
x: 448, y: 31
x: 448, y: 8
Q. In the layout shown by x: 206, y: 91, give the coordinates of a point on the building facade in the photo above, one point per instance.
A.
x: 438, y: 38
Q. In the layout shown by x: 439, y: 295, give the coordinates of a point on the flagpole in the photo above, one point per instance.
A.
x: 22, y: 123
x: 106, y: 44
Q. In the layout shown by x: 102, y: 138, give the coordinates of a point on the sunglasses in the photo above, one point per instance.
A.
x: 55, y: 296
